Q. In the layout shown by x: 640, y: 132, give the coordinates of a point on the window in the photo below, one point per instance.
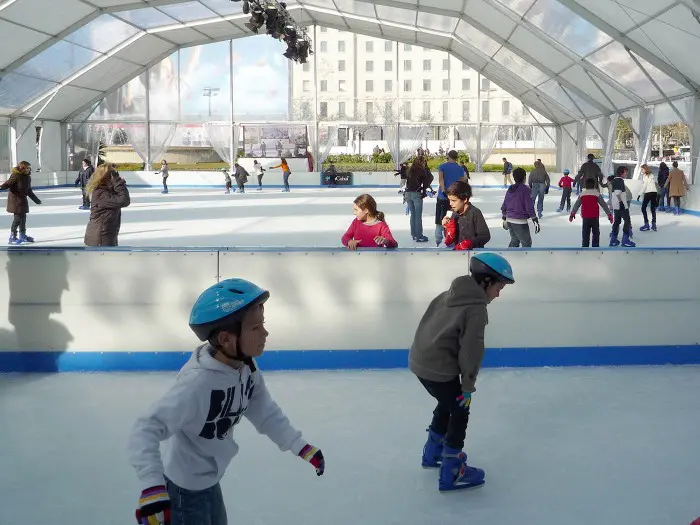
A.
x: 306, y: 85
x: 445, y: 109
x: 445, y: 84
x: 426, y: 85
x: 465, y: 67
x: 324, y: 47
x: 341, y: 46
x: 341, y: 85
x: 324, y: 85
x: 369, y: 86
x: 323, y: 109
x: 407, y: 110
x: 306, y: 67
x: 369, y: 47
x: 466, y: 84
x: 407, y: 47
x: 388, y: 108
x: 465, y: 111
x: 426, y: 65
x: 485, y: 84
x: 445, y: 64
x: 426, y: 108
x: 388, y: 46
x: 407, y: 86
x: 485, y: 110
x: 323, y: 29
x: 505, y: 108
x: 341, y: 65
x: 407, y: 65
x: 388, y: 65
x: 369, y: 108
x: 341, y: 108
x: 388, y: 86
x: 369, y: 65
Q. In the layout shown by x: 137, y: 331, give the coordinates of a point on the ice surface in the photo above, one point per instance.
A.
x: 304, y: 217
x: 574, y: 446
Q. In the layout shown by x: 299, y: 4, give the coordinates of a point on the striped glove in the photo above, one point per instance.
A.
x: 314, y: 456
x: 154, y: 507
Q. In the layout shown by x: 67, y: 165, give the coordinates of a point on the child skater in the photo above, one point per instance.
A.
x: 368, y: 229
x: 590, y: 202
x: 466, y: 229
x: 217, y: 386
x: 566, y: 184
x: 20, y: 186
x: 446, y: 357
x: 227, y: 178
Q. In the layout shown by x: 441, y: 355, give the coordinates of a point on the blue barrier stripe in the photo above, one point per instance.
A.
x: 352, y: 359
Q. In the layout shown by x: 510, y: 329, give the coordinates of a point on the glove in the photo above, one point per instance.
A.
x: 314, y: 456
x: 154, y: 507
x: 77, y: 183
x: 450, y: 232
x: 546, y: 191
x: 464, y: 400
x: 638, y: 198
x: 466, y: 244
x: 505, y: 224
x: 610, y: 218
x: 537, y: 226
x: 572, y: 217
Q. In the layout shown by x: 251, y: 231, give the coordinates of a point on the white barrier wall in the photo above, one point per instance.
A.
x: 114, y: 305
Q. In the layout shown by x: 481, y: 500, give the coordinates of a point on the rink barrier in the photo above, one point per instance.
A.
x: 96, y: 309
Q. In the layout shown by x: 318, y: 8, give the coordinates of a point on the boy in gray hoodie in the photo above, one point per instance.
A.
x: 446, y: 356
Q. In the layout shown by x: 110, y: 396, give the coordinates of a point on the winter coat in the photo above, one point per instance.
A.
x: 590, y: 202
x: 84, y: 176
x: 106, y: 213
x: 676, y: 183
x: 518, y: 203
x: 590, y: 170
x: 449, y: 341
x: 663, y: 175
x: 20, y: 187
x: 539, y: 176
x: 648, y: 184
x: 241, y: 175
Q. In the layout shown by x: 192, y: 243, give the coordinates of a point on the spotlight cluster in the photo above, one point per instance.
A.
x: 280, y: 25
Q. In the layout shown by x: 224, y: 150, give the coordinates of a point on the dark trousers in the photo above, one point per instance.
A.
x: 449, y: 419
x: 86, y: 197
x: 165, y: 183
x: 241, y: 187
x: 442, y: 207
x: 620, y: 216
x: 228, y: 185
x: 20, y: 221
x: 677, y: 201
x: 591, y: 226
x: 649, y: 198
x: 565, y: 198
x: 519, y: 235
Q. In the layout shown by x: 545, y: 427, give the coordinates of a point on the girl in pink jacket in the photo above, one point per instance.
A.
x: 368, y: 230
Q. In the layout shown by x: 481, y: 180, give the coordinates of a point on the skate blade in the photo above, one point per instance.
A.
x: 463, y: 486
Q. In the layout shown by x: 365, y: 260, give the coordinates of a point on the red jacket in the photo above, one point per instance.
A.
x: 590, y: 202
x: 366, y: 234
x: 566, y: 182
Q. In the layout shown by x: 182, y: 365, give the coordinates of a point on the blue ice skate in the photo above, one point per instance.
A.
x: 627, y: 242
x: 432, y: 450
x: 645, y: 228
x: 614, y: 241
x: 13, y: 239
x: 455, y: 474
x: 25, y: 238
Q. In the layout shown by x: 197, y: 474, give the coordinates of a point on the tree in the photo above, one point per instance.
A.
x: 301, y: 109
x: 366, y: 122
x: 624, y: 138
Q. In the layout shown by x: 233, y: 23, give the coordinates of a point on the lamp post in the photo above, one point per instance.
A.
x: 210, y: 92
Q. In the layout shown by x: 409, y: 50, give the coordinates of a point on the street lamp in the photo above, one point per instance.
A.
x: 210, y: 92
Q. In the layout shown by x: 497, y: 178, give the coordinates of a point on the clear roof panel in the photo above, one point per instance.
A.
x: 16, y: 90
x: 554, y: 90
x: 587, y: 108
x: 625, y: 14
x: 224, y: 7
x: 392, y: 14
x: 477, y: 39
x: 519, y: 6
x: 445, y: 24
x: 188, y: 12
x: 520, y: 67
x: 102, y: 34
x: 146, y: 18
x: 614, y: 60
x: 356, y: 7
x: 58, y: 62
x: 566, y: 27
x: 669, y: 86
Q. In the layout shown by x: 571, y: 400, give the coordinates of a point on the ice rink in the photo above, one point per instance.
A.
x: 576, y: 446
x: 305, y: 217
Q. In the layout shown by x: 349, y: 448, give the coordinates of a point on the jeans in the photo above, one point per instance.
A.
x: 285, y: 178
x: 649, y: 198
x: 19, y: 221
x: 415, y: 208
x: 260, y: 181
x: 241, y: 187
x: 622, y: 215
x: 442, y: 206
x: 165, y: 183
x: 196, y: 507
x: 519, y: 234
x: 663, y: 195
x: 565, y: 198
x: 449, y: 419
x: 538, y: 190
x: 591, y: 226
x: 86, y: 198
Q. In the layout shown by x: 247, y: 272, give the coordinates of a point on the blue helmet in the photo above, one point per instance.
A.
x: 224, y: 304
x: 491, y: 265
x: 566, y: 172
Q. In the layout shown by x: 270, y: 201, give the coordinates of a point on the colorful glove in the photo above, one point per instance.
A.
x: 610, y: 218
x: 572, y: 217
x: 464, y: 400
x: 466, y: 244
x: 154, y: 507
x: 314, y: 456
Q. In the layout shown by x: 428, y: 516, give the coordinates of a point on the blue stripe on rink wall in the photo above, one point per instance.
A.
x: 44, y: 362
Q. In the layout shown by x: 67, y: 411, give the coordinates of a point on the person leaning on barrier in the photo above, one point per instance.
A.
x: 109, y: 195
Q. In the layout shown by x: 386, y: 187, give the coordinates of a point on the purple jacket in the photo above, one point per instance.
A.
x: 518, y: 203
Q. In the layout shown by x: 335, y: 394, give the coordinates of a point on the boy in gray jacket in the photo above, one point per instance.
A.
x: 446, y: 356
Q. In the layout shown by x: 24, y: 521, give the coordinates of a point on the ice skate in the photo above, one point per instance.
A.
x: 13, y: 239
x: 653, y: 226
x: 560, y: 209
x: 432, y: 450
x: 455, y: 474
x: 645, y: 228
x: 627, y: 241
x: 614, y: 241
x: 24, y: 238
